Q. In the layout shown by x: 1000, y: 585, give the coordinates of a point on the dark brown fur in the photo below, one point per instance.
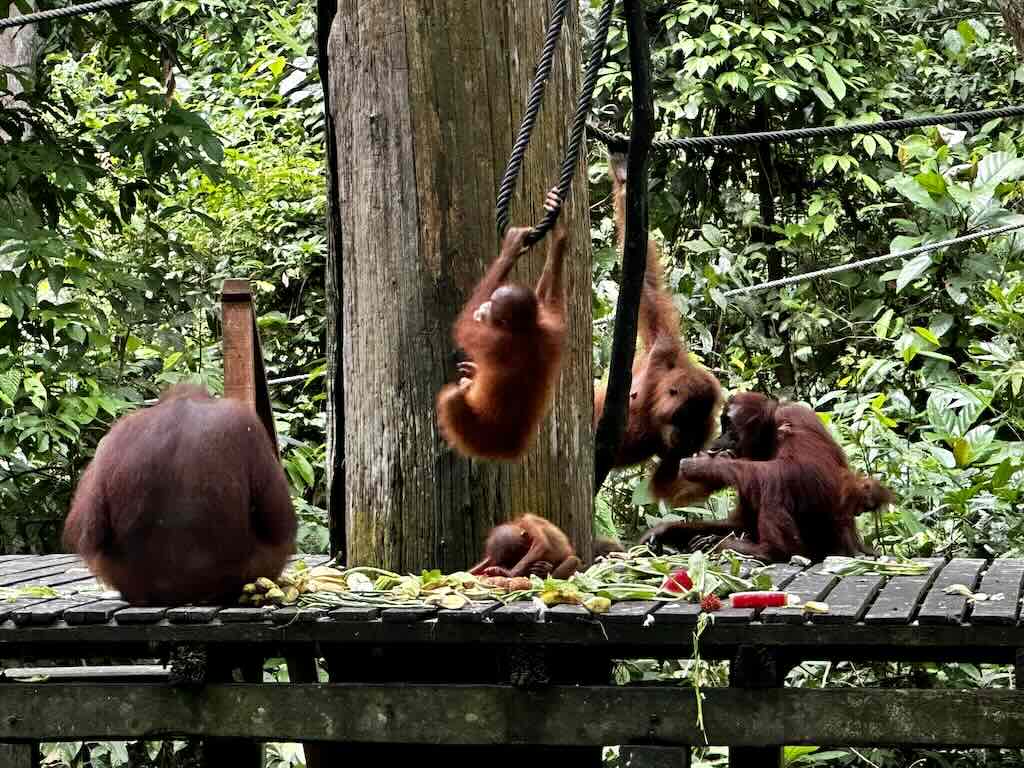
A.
x: 513, y: 337
x: 528, y: 544
x: 183, y: 502
x: 797, y: 493
x: 674, y: 403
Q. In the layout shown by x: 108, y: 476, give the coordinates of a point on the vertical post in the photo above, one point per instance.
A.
x: 19, y: 755
x: 244, y: 376
x: 755, y: 667
x: 243, y: 753
x: 612, y: 424
x: 302, y: 669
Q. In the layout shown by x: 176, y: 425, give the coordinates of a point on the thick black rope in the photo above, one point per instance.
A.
x: 598, y: 48
x: 70, y: 10
x: 619, y: 142
x: 533, y: 105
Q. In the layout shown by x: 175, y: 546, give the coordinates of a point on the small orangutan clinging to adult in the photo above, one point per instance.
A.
x: 513, y: 337
x: 183, y: 502
x: 527, y: 545
x: 797, y: 493
x: 674, y: 402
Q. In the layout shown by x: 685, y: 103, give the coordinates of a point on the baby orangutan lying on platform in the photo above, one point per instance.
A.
x: 527, y: 545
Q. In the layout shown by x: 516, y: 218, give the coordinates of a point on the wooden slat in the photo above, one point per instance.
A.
x: 403, y: 615
x: 677, y: 613
x: 49, y: 612
x: 106, y: 673
x: 7, y: 608
x: 473, y: 613
x: 569, y: 614
x: 497, y: 715
x: 242, y: 615
x: 355, y: 613
x: 940, y: 608
x: 291, y: 614
x: 898, y: 601
x: 1002, y: 577
x: 140, y: 615
x: 811, y: 584
x: 193, y: 614
x: 94, y: 613
x: 850, y: 599
x: 31, y: 576
x: 519, y: 612
x: 32, y: 563
x: 632, y: 612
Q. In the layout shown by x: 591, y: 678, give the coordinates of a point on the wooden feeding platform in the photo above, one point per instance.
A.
x: 511, y: 675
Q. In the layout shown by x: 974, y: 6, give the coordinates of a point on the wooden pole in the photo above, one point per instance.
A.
x: 612, y: 425
x: 244, y: 376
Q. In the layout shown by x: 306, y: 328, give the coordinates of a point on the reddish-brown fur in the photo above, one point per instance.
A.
x: 797, y: 493
x: 183, y: 502
x: 513, y: 338
x: 604, y: 546
x: 673, y: 403
x: 528, y: 544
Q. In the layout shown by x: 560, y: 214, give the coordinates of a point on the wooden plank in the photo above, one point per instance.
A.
x: 245, y: 378
x: 48, y: 612
x: 106, y: 673
x: 632, y: 612
x: 33, y: 576
x: 1002, y: 577
x: 898, y: 601
x: 850, y: 599
x: 677, y: 613
x: 94, y: 613
x: 242, y: 615
x: 140, y: 615
x: 569, y: 614
x: 193, y: 614
x: 940, y: 608
x: 519, y: 612
x: 811, y: 584
x: 355, y: 613
x: 292, y: 615
x: 7, y: 608
x: 408, y: 614
x: 32, y: 563
x: 496, y: 715
x: 473, y: 613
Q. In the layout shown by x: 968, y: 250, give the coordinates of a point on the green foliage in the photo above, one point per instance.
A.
x: 147, y: 162
x: 916, y: 368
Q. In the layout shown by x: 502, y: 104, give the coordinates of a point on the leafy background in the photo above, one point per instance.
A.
x: 155, y: 152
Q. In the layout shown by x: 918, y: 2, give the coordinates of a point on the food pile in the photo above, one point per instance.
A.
x: 638, y: 574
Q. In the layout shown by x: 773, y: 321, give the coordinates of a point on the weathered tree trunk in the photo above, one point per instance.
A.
x: 18, y: 48
x: 1013, y: 15
x: 425, y: 100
